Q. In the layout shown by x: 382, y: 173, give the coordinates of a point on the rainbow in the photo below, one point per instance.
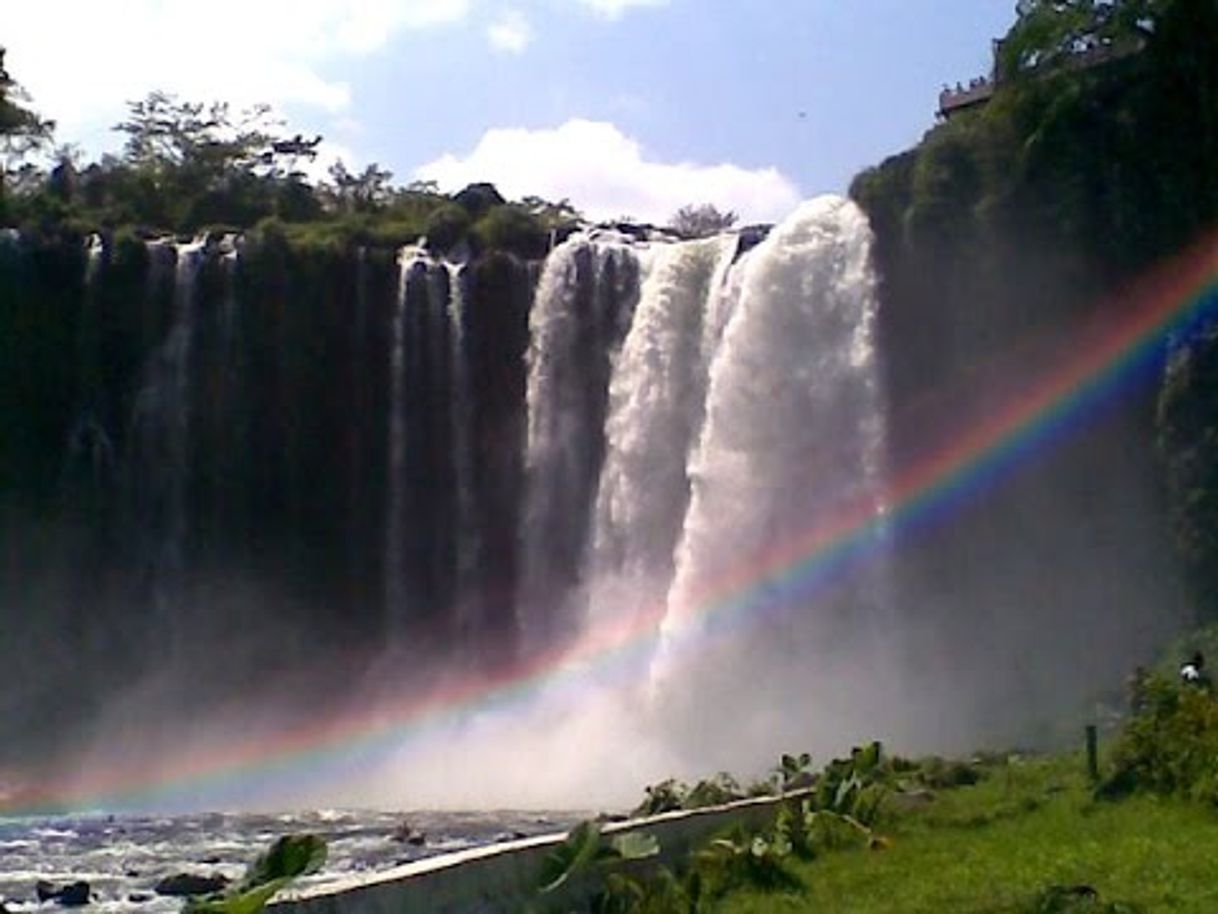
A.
x: 1105, y: 362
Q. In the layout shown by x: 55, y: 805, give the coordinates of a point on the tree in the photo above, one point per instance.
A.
x: 701, y: 221
x: 552, y: 215
x: 22, y: 131
x: 365, y: 192
x: 194, y: 163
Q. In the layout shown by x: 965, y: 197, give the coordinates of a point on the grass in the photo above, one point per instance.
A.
x: 999, y: 846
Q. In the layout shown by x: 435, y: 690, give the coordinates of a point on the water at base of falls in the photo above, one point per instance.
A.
x: 122, y: 857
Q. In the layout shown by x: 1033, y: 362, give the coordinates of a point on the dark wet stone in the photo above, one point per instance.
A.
x: 406, y: 834
x: 75, y: 895
x: 70, y: 896
x: 182, y: 885
x: 139, y: 898
x: 748, y: 238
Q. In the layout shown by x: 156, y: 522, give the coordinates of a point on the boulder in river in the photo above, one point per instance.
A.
x: 183, y: 885
x: 73, y: 895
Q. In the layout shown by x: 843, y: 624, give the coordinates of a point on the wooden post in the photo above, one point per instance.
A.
x: 1093, y: 762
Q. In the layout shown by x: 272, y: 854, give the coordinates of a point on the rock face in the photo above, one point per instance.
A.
x: 184, y: 885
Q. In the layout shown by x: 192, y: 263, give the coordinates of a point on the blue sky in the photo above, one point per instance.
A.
x: 628, y: 107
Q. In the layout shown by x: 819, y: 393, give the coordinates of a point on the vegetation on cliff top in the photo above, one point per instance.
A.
x: 187, y: 167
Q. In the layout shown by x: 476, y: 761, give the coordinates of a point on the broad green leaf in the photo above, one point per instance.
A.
x: 247, y: 902
x: 288, y: 857
x: 578, y: 851
x: 636, y: 845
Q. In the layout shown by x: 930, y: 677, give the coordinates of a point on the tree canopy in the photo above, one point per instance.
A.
x: 1050, y: 32
x: 20, y: 127
x: 701, y: 221
x: 187, y: 166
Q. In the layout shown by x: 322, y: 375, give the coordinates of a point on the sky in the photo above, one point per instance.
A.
x: 629, y: 108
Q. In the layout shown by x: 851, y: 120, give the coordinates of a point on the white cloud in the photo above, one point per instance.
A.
x: 612, y: 9
x: 606, y: 174
x: 80, y: 59
x: 510, y: 33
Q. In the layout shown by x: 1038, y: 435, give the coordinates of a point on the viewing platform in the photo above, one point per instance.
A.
x: 978, y: 92
x: 961, y: 98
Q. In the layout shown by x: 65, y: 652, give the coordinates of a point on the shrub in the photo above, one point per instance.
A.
x: 1170, y: 746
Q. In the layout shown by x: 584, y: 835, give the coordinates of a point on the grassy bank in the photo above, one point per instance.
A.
x: 1029, y: 837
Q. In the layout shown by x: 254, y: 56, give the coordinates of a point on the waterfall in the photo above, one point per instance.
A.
x: 693, y: 406
x: 410, y: 260
x: 655, y: 410
x: 90, y: 452
x: 584, y: 304
x: 431, y: 545
x: 792, y: 441
x: 468, y: 547
x: 95, y: 250
x: 161, y: 427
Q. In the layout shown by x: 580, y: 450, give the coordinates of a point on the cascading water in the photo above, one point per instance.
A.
x: 584, y: 304
x: 161, y: 439
x: 91, y: 452
x: 432, y: 543
x: 467, y: 623
x: 655, y: 411
x: 791, y: 445
x: 741, y: 415
x: 410, y: 260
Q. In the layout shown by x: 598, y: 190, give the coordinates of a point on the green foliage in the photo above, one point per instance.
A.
x: 1002, y: 845
x: 1170, y: 746
x: 446, y: 226
x: 289, y: 857
x: 586, y: 849
x: 1052, y: 32
x: 512, y: 228
x: 552, y: 215
x: 742, y: 859
x: 671, y: 794
x: 714, y: 791
x: 367, y: 191
x: 854, y: 787
x: 21, y: 129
